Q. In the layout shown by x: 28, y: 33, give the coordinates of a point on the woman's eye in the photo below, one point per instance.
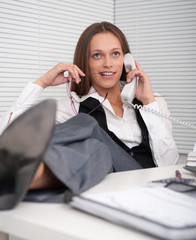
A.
x: 96, y: 55
x: 116, y: 54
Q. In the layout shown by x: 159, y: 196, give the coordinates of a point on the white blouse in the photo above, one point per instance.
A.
x: 162, y: 145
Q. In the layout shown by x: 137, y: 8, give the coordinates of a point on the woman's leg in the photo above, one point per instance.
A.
x: 44, y: 178
x: 22, y: 146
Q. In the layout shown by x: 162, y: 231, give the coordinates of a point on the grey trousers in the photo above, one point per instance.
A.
x: 81, y: 154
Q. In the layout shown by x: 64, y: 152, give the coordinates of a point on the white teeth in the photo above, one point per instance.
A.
x: 107, y: 73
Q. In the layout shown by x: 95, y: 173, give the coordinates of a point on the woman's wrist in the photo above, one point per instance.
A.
x: 40, y: 83
x: 148, y: 100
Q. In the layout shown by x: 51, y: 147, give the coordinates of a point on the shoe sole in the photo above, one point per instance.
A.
x: 25, y: 140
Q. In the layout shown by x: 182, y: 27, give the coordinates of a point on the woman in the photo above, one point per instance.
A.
x: 95, y: 89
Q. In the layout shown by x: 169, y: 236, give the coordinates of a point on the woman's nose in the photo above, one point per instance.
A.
x: 107, y: 61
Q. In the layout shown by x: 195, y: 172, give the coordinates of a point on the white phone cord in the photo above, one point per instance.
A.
x: 164, y: 115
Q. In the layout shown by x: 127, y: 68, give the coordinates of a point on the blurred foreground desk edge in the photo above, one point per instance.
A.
x: 34, y: 221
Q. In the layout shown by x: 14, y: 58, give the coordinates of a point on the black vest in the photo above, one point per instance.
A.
x: 142, y: 153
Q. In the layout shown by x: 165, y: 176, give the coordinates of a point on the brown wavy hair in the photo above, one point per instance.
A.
x: 81, y: 56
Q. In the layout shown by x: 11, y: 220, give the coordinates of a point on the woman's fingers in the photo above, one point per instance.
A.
x: 55, y: 76
x: 74, y: 73
x: 137, y: 72
x: 132, y: 74
x: 138, y: 66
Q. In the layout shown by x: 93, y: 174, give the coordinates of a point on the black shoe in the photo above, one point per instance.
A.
x: 22, y: 146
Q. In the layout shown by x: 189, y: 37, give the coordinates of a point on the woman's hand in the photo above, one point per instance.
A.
x: 144, y: 90
x: 55, y: 76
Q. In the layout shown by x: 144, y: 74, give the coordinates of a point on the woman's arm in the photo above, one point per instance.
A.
x: 55, y: 76
x: 27, y: 99
x: 32, y: 91
x: 162, y: 144
x: 161, y: 141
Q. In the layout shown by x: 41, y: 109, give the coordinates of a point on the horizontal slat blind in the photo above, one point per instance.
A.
x: 162, y: 36
x: 36, y: 35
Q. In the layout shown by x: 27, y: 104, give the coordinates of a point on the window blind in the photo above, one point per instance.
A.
x: 162, y: 37
x: 36, y: 35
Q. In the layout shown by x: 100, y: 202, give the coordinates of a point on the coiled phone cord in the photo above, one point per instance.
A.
x: 164, y: 115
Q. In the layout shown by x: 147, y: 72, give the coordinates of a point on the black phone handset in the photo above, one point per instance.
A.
x: 128, y: 94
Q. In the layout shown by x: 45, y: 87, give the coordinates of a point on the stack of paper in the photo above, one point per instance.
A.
x: 158, y: 211
x: 191, y: 160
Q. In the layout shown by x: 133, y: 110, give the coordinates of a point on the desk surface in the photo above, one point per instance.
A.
x: 34, y: 221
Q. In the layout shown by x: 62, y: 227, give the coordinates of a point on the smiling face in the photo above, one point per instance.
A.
x: 105, y: 62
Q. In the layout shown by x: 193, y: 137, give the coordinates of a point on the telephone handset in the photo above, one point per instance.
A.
x: 128, y: 92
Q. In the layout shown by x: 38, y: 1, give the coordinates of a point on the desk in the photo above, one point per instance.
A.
x: 36, y: 221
